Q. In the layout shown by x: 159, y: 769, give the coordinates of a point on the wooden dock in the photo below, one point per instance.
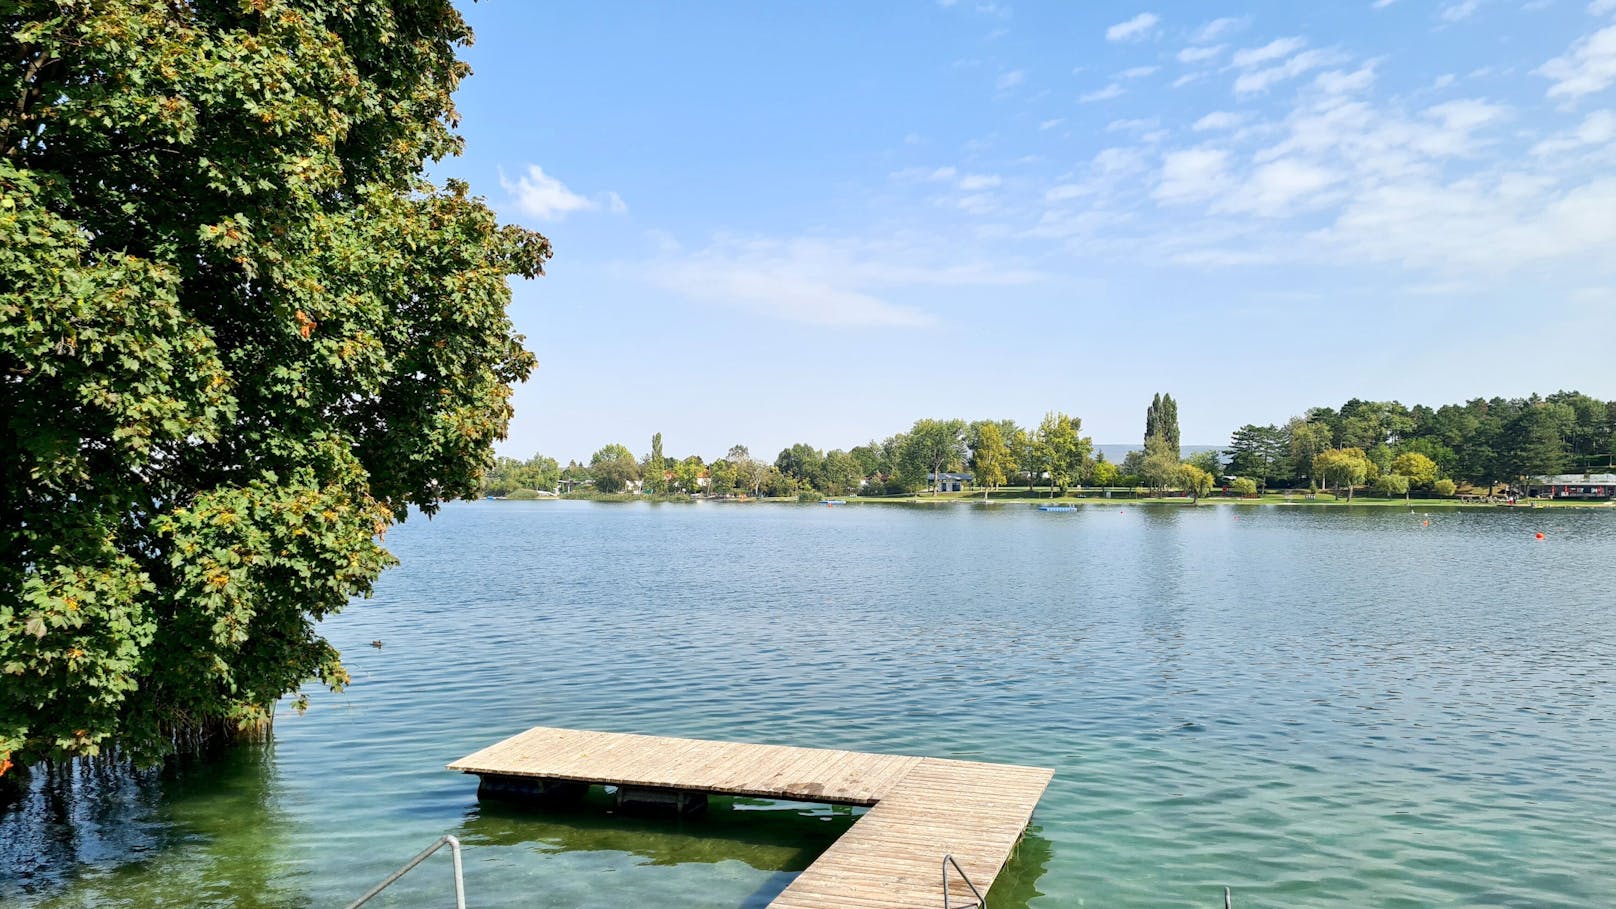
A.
x: 892, y: 858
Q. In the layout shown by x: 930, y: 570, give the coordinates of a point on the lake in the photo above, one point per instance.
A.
x: 1319, y: 708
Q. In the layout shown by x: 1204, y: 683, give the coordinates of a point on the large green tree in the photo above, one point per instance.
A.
x: 991, y: 458
x: 932, y: 447
x: 614, y: 468
x: 1161, y: 422
x: 1340, y: 467
x: 656, y: 467
x: 1257, y: 452
x: 240, y: 335
x: 1061, y: 451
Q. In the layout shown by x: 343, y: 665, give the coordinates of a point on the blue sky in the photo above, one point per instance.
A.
x: 780, y: 222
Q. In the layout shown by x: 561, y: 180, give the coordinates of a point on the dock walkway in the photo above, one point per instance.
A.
x: 920, y: 808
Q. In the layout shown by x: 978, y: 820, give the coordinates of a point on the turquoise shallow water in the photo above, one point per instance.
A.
x: 1315, y: 708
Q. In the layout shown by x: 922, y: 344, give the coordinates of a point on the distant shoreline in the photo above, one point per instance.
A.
x: 1320, y: 501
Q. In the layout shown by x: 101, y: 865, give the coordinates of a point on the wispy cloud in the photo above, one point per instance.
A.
x: 544, y: 197
x: 1588, y: 66
x: 1102, y: 94
x: 1217, y: 28
x: 1137, y: 72
x: 1261, y: 80
x: 1200, y: 54
x: 1219, y: 119
x: 1192, y: 175
x: 1598, y: 129
x: 834, y: 282
x: 1273, y: 50
x: 1010, y: 79
x: 1133, y: 29
x: 1458, y: 11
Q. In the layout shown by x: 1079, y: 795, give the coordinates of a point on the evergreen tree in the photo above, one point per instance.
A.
x: 1161, y: 422
x: 656, y: 467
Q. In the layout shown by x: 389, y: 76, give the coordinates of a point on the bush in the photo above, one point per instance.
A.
x: 808, y: 495
x: 1243, y: 486
x: 522, y: 494
x: 1444, y: 487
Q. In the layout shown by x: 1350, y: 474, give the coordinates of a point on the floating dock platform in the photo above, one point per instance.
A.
x: 921, y: 809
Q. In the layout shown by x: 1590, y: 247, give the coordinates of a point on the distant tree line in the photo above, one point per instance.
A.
x: 1393, y: 449
x: 1482, y: 442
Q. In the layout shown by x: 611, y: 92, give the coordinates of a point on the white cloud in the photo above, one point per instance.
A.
x: 1133, y: 29
x: 1464, y: 116
x: 1601, y: 7
x: 1339, y: 82
x: 1382, y: 4
x: 1140, y: 124
x: 1217, y: 28
x: 1261, y: 80
x: 1587, y: 67
x: 1200, y: 54
x: 825, y: 282
x: 926, y: 174
x: 1597, y: 129
x: 1219, y: 119
x: 1273, y: 50
x: 1052, y: 123
x: 1275, y: 189
x: 1010, y: 79
x: 1459, y: 11
x: 544, y: 197
x: 1137, y: 72
x: 1103, y: 94
x: 1475, y: 224
x: 974, y: 182
x: 1192, y: 175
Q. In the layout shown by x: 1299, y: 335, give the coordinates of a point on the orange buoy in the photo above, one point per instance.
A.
x: 1426, y: 524
x: 1540, y: 534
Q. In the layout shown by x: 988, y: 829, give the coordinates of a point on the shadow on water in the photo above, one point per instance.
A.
x: 766, y: 835
x: 774, y: 836
x: 94, y: 834
x: 1017, y: 885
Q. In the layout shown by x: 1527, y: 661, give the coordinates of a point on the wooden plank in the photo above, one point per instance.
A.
x: 891, y: 858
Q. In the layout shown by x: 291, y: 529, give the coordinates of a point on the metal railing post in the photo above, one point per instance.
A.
x: 948, y: 859
x: 459, y: 880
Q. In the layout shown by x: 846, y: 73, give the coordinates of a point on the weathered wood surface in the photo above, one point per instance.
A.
x: 891, y: 858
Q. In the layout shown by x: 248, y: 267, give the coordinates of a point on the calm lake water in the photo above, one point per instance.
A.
x: 1315, y: 708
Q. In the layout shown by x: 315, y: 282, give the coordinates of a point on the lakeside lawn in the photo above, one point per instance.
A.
x: 1324, y: 500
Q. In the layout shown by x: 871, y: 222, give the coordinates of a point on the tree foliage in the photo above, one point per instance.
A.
x: 656, y: 467
x: 1194, y: 480
x: 1161, y: 422
x: 614, y: 467
x: 1342, y: 467
x: 1060, y: 451
x: 240, y: 336
x: 508, y: 475
x: 1258, y: 452
x: 934, y: 446
x: 991, y: 458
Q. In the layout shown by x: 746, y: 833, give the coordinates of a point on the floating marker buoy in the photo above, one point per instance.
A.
x: 1540, y: 534
x: 1426, y: 524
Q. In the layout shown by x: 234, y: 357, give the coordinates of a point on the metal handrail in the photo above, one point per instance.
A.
x: 459, y: 880
x: 948, y: 859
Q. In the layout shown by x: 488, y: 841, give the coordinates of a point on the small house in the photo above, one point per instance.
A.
x: 949, y: 482
x: 1575, y: 486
